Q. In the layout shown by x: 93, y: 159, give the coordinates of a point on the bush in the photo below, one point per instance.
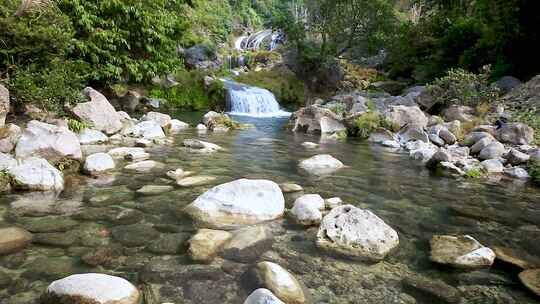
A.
x: 369, y: 122
x: 77, y: 126
x: 534, y: 171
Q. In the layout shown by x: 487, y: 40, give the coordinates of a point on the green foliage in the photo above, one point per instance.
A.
x: 191, y: 93
x: 287, y: 88
x: 474, y: 173
x: 369, y: 122
x: 534, y: 171
x: 77, y: 126
x: 465, y: 88
x: 339, y: 109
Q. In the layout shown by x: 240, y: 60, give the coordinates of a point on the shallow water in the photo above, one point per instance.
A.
x: 141, y: 237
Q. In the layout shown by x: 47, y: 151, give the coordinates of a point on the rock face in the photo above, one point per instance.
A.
x: 13, y: 239
x: 9, y: 137
x: 321, y: 164
x: 515, y: 133
x: 91, y: 288
x: 314, y: 119
x: 262, y: 296
x: 98, y: 163
x: 356, y: 233
x: 98, y: 112
x: 403, y: 115
x: 307, y: 209
x: 241, y: 202
x: 92, y: 137
x: 531, y: 279
x: 4, y: 105
x: 460, y: 252
x: 278, y: 280
x: 206, y: 244
x: 36, y: 174
x: 48, y: 141
x: 161, y: 119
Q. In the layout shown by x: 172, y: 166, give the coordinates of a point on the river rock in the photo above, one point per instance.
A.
x: 321, y: 164
x: 206, y: 243
x: 200, y: 146
x: 473, y: 137
x: 92, y: 137
x: 134, y: 235
x: 50, y: 268
x: 516, y: 157
x: 517, y: 172
x: 162, y: 119
x: 145, y: 166
x: 36, y: 174
x: 143, y: 143
x: 4, y: 104
x: 381, y: 135
x: 262, y: 296
x: 13, y: 239
x: 237, y: 203
x: 412, y: 133
x: 457, y: 112
x: 248, y: 244
x: 333, y: 202
x: 169, y: 243
x: 315, y: 119
x: 146, y: 129
x: 193, y: 181
x: 48, y: 141
x: 98, y: 112
x: 98, y: 163
x: 278, y: 280
x: 519, y: 258
x: 9, y: 136
x: 491, y: 151
x: 176, y: 174
x: 330, y: 125
x: 515, y: 133
x: 92, y: 288
x: 201, y: 128
x: 176, y: 126
x: 447, y: 136
x: 290, y: 188
x: 507, y: 83
x: 154, y: 189
x: 307, y: 209
x: 404, y: 115
x: 460, y: 251
x: 443, y: 292
x: 531, y: 279
x: 481, y: 144
x: 434, y: 138
x: 122, y: 152
x: 356, y: 233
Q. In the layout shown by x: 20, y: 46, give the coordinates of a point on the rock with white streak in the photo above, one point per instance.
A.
x: 460, y: 251
x: 200, y: 146
x: 98, y: 163
x: 98, y: 112
x: 517, y: 172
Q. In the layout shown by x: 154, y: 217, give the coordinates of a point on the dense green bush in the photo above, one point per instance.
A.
x: 534, y: 171
x: 369, y: 122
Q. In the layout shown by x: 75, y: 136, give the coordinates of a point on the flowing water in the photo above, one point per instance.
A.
x: 105, y: 222
x: 251, y: 101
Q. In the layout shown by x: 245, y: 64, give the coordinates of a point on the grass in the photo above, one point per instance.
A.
x: 77, y: 126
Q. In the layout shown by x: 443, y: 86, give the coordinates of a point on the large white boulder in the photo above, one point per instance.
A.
x: 48, y: 141
x: 147, y: 129
x: 356, y: 233
x: 321, y: 164
x: 98, y: 112
x: 160, y: 118
x: 516, y: 133
x: 460, y: 251
x: 92, y: 288
x: 92, y: 137
x: 238, y: 203
x: 315, y: 119
x: 36, y: 174
x: 262, y: 296
x: 98, y: 163
x: 6, y: 161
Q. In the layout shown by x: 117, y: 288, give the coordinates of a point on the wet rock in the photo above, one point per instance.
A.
x: 241, y: 202
x: 160, y: 271
x: 137, y: 156
x: 460, y: 251
x: 146, y: 129
x: 201, y: 128
x: 531, y: 279
x: 200, y: 146
x: 333, y: 202
x: 315, y: 119
x: 98, y: 112
x: 491, y: 151
x: 36, y: 204
x: 154, y: 189
x: 9, y: 137
x: 481, y: 144
x: 176, y: 126
x: 518, y: 258
x: 492, y: 166
x: 48, y: 141
x: 91, y: 288
x: 309, y: 145
x: 206, y: 243
x: 515, y: 133
x: 13, y: 239
x: 412, y: 133
x: 98, y: 163
x: 145, y: 166
x: 134, y: 235
x: 102, y: 256
x: 125, y: 216
x: 515, y: 157
x: 449, y: 169
x: 481, y: 277
x: 56, y: 239
x: 50, y: 268
x: 321, y: 164
x: 4, y: 104
x: 92, y: 137
x: 307, y: 209
x: 406, y: 116
x: 49, y: 224
x: 461, y: 113
x: 356, y: 233
x: 194, y: 181
x: 262, y: 296
x: 473, y: 137
x: 447, y: 136
x: 434, y: 288
x: 391, y: 144
x: 124, y: 151
x: 169, y: 243
x: 248, y: 244
x: 162, y: 119
x: 278, y: 280
x: 434, y: 138
x: 290, y: 188
x: 143, y: 143
x: 381, y: 135
x: 439, y: 157
x: 517, y: 172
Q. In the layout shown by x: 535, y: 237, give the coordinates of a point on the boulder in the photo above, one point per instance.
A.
x: 262, y: 296
x: 130, y: 101
x: 315, y: 119
x: 176, y: 126
x: 356, y: 233
x: 13, y: 239
x: 98, y: 163
x: 98, y: 112
x: 278, y: 280
x: 200, y: 56
x: 7, y: 161
x: 531, y: 279
x: 206, y: 243
x: 238, y: 203
x: 321, y: 164
x: 143, y: 143
x: 48, y: 141
x: 473, y: 137
x: 449, y: 169
x: 535, y: 154
x: 460, y: 251
x: 516, y: 134
x: 92, y: 137
x: 492, y: 166
x: 36, y: 174
x: 481, y: 144
x: 9, y: 136
x: 307, y: 209
x: 517, y: 172
x: 507, y: 83
x: 517, y: 257
x: 161, y: 119
x: 200, y: 146
x: 401, y: 116
x: 515, y: 157
x: 457, y: 112
x: 434, y: 138
x: 4, y: 105
x: 381, y: 135
x: 248, y: 244
x: 491, y: 151
x: 93, y: 288
x: 146, y: 129
x: 447, y: 136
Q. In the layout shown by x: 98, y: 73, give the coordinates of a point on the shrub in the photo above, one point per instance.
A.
x: 369, y: 122
x: 534, y: 171
x: 77, y: 126
x: 474, y: 173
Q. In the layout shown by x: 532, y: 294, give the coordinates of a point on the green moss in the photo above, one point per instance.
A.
x: 474, y: 173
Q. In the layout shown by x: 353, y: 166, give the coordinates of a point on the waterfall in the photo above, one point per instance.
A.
x: 256, y: 40
x: 251, y: 101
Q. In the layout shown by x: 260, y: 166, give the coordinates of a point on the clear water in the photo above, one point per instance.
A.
x: 405, y: 195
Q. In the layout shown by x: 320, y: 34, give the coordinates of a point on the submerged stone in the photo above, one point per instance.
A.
x: 460, y: 251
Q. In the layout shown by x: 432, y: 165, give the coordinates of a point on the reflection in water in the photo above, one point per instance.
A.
x: 403, y: 193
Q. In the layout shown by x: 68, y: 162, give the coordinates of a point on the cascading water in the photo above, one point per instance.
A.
x: 256, y: 41
x: 251, y: 101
